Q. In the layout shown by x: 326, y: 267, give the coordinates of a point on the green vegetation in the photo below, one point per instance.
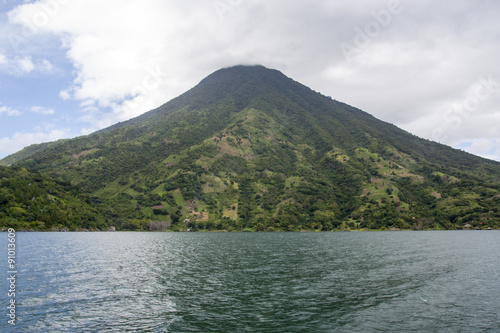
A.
x: 250, y: 149
x: 31, y: 200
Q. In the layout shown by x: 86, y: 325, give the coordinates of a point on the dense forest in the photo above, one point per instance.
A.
x: 250, y: 149
x: 33, y: 201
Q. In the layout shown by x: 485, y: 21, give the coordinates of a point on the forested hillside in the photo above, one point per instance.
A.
x: 249, y: 148
x: 31, y: 200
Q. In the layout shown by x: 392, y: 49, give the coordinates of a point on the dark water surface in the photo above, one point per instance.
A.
x: 255, y: 282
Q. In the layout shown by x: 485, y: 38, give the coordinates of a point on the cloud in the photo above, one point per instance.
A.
x: 35, y: 109
x: 19, y: 140
x: 487, y: 148
x: 45, y: 66
x: 467, y: 117
x: 142, y: 55
x: 9, y: 112
x: 411, y: 64
x: 21, y: 65
x: 24, y: 64
x: 64, y: 94
x: 114, y: 55
x: 42, y: 110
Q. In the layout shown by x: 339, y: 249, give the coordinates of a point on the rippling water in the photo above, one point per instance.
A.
x: 256, y: 282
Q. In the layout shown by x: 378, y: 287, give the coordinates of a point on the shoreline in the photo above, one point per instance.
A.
x: 244, y: 231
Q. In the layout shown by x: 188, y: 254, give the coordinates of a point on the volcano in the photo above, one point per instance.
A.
x: 250, y: 149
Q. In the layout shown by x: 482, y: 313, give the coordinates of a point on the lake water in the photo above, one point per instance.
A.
x: 445, y: 281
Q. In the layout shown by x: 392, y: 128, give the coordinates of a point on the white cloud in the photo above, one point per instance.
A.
x: 42, y: 110
x: 19, y: 140
x: 487, y: 148
x: 45, y: 65
x: 113, y: 54
x: 35, y: 109
x: 21, y: 65
x: 65, y: 95
x: 9, y: 112
x: 24, y: 64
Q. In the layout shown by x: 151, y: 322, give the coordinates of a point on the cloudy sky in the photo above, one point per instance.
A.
x: 70, y: 67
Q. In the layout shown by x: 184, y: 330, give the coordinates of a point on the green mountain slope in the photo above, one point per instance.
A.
x: 28, y: 151
x: 250, y: 148
x: 31, y: 200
